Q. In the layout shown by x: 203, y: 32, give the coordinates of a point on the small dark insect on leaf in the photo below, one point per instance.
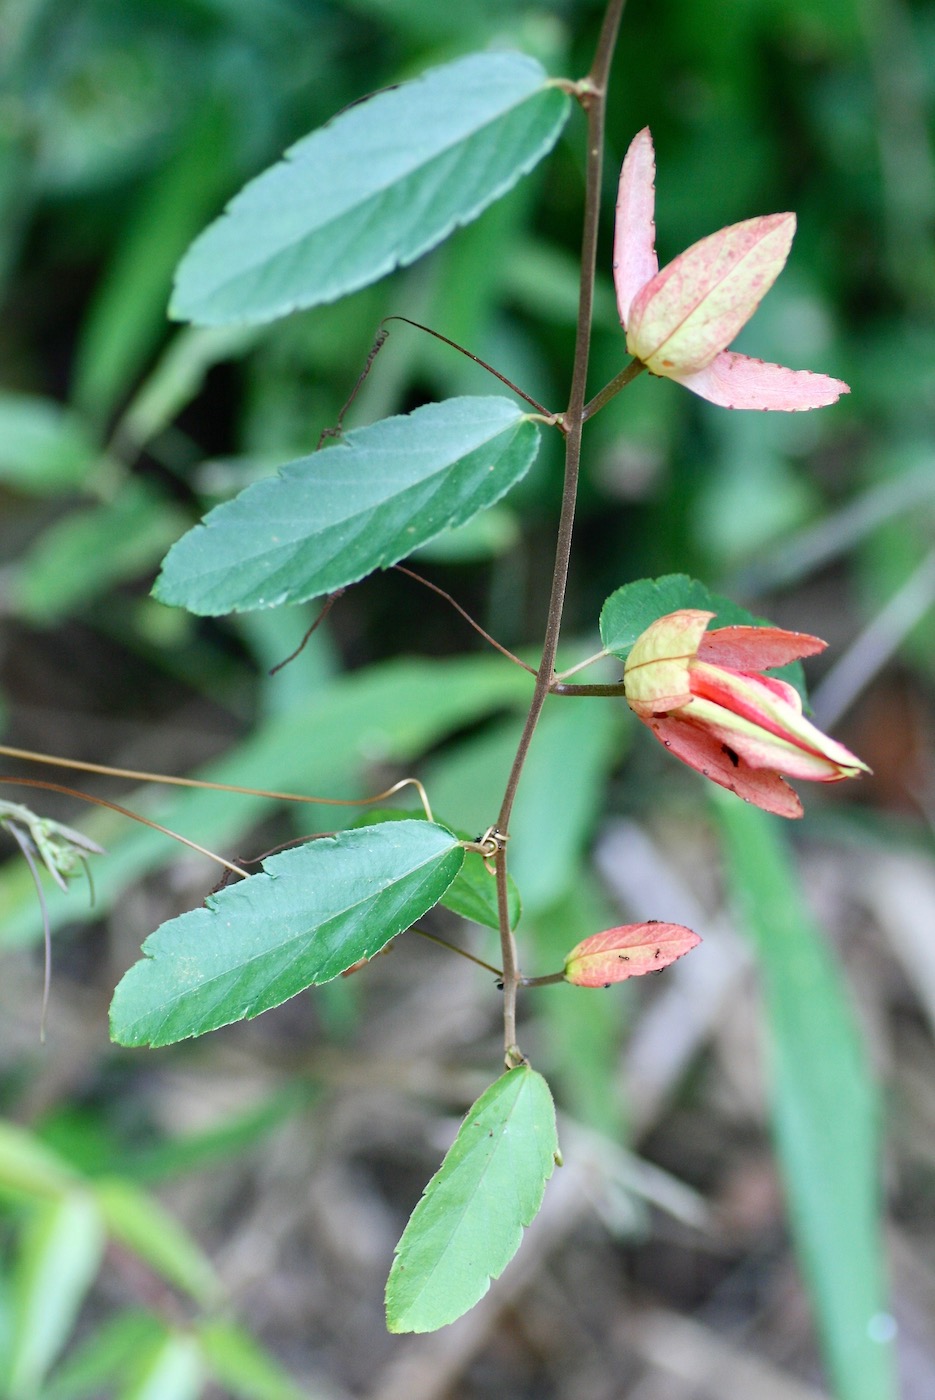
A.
x: 624, y: 957
x: 734, y: 758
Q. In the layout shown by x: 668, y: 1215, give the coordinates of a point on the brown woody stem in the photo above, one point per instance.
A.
x: 592, y: 95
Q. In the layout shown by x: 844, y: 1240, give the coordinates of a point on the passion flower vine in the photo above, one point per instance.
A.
x: 701, y: 695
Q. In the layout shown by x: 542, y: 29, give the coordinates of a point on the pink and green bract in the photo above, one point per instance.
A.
x: 700, y: 694
x: 680, y: 321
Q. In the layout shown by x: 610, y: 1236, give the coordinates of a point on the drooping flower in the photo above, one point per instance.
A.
x: 628, y: 951
x: 700, y: 694
x: 680, y: 321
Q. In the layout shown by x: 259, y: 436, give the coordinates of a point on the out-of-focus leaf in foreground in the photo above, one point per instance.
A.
x: 825, y: 1110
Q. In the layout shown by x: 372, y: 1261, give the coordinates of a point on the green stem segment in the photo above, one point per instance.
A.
x: 592, y: 94
x: 611, y: 688
x: 611, y: 390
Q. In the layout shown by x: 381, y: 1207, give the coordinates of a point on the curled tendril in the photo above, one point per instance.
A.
x: 489, y: 846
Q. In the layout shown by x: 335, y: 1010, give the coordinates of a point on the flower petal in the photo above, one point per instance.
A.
x: 628, y: 951
x: 655, y: 675
x: 737, y: 381
x: 694, y: 307
x: 712, y: 758
x: 759, y: 710
x: 635, y: 261
x: 756, y: 648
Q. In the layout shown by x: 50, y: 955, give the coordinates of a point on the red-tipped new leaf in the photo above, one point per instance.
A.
x: 627, y: 951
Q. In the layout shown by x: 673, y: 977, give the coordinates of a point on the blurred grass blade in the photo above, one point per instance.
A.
x: 103, y: 1358
x: 311, y: 914
x: 173, y: 1370
x: 138, y: 1221
x: 29, y: 1168
x: 545, y: 852
x: 128, y: 317
x: 243, y: 1368
x: 469, y: 1223
x: 44, y: 448
x: 825, y: 1109
x: 60, y: 1255
x: 381, y: 184
x: 93, y: 549
x: 332, y: 518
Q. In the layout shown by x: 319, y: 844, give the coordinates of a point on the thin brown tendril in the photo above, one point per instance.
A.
x: 462, y: 952
x: 338, y: 429
x: 135, y: 775
x: 426, y: 583
x: 553, y: 418
x: 124, y: 812
x: 329, y: 603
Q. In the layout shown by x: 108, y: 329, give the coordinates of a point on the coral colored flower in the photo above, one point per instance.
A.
x: 627, y: 951
x: 680, y: 321
x: 700, y: 694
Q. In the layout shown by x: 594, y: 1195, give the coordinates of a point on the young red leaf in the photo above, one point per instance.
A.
x: 627, y: 951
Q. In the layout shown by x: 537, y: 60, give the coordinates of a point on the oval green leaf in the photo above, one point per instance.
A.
x: 469, y: 1223
x: 473, y: 891
x: 332, y: 518
x: 381, y: 184
x: 313, y: 913
x: 631, y: 609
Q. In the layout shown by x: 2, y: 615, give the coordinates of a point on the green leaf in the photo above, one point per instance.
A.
x: 469, y: 1223
x: 330, y: 519
x: 381, y: 184
x: 141, y: 1225
x: 473, y: 891
x: 43, y: 448
x: 60, y: 1257
x: 826, y: 1109
x: 627, y: 613
x: 312, y: 913
x: 473, y: 894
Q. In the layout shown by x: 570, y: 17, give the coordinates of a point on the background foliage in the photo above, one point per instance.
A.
x: 295, y: 1148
